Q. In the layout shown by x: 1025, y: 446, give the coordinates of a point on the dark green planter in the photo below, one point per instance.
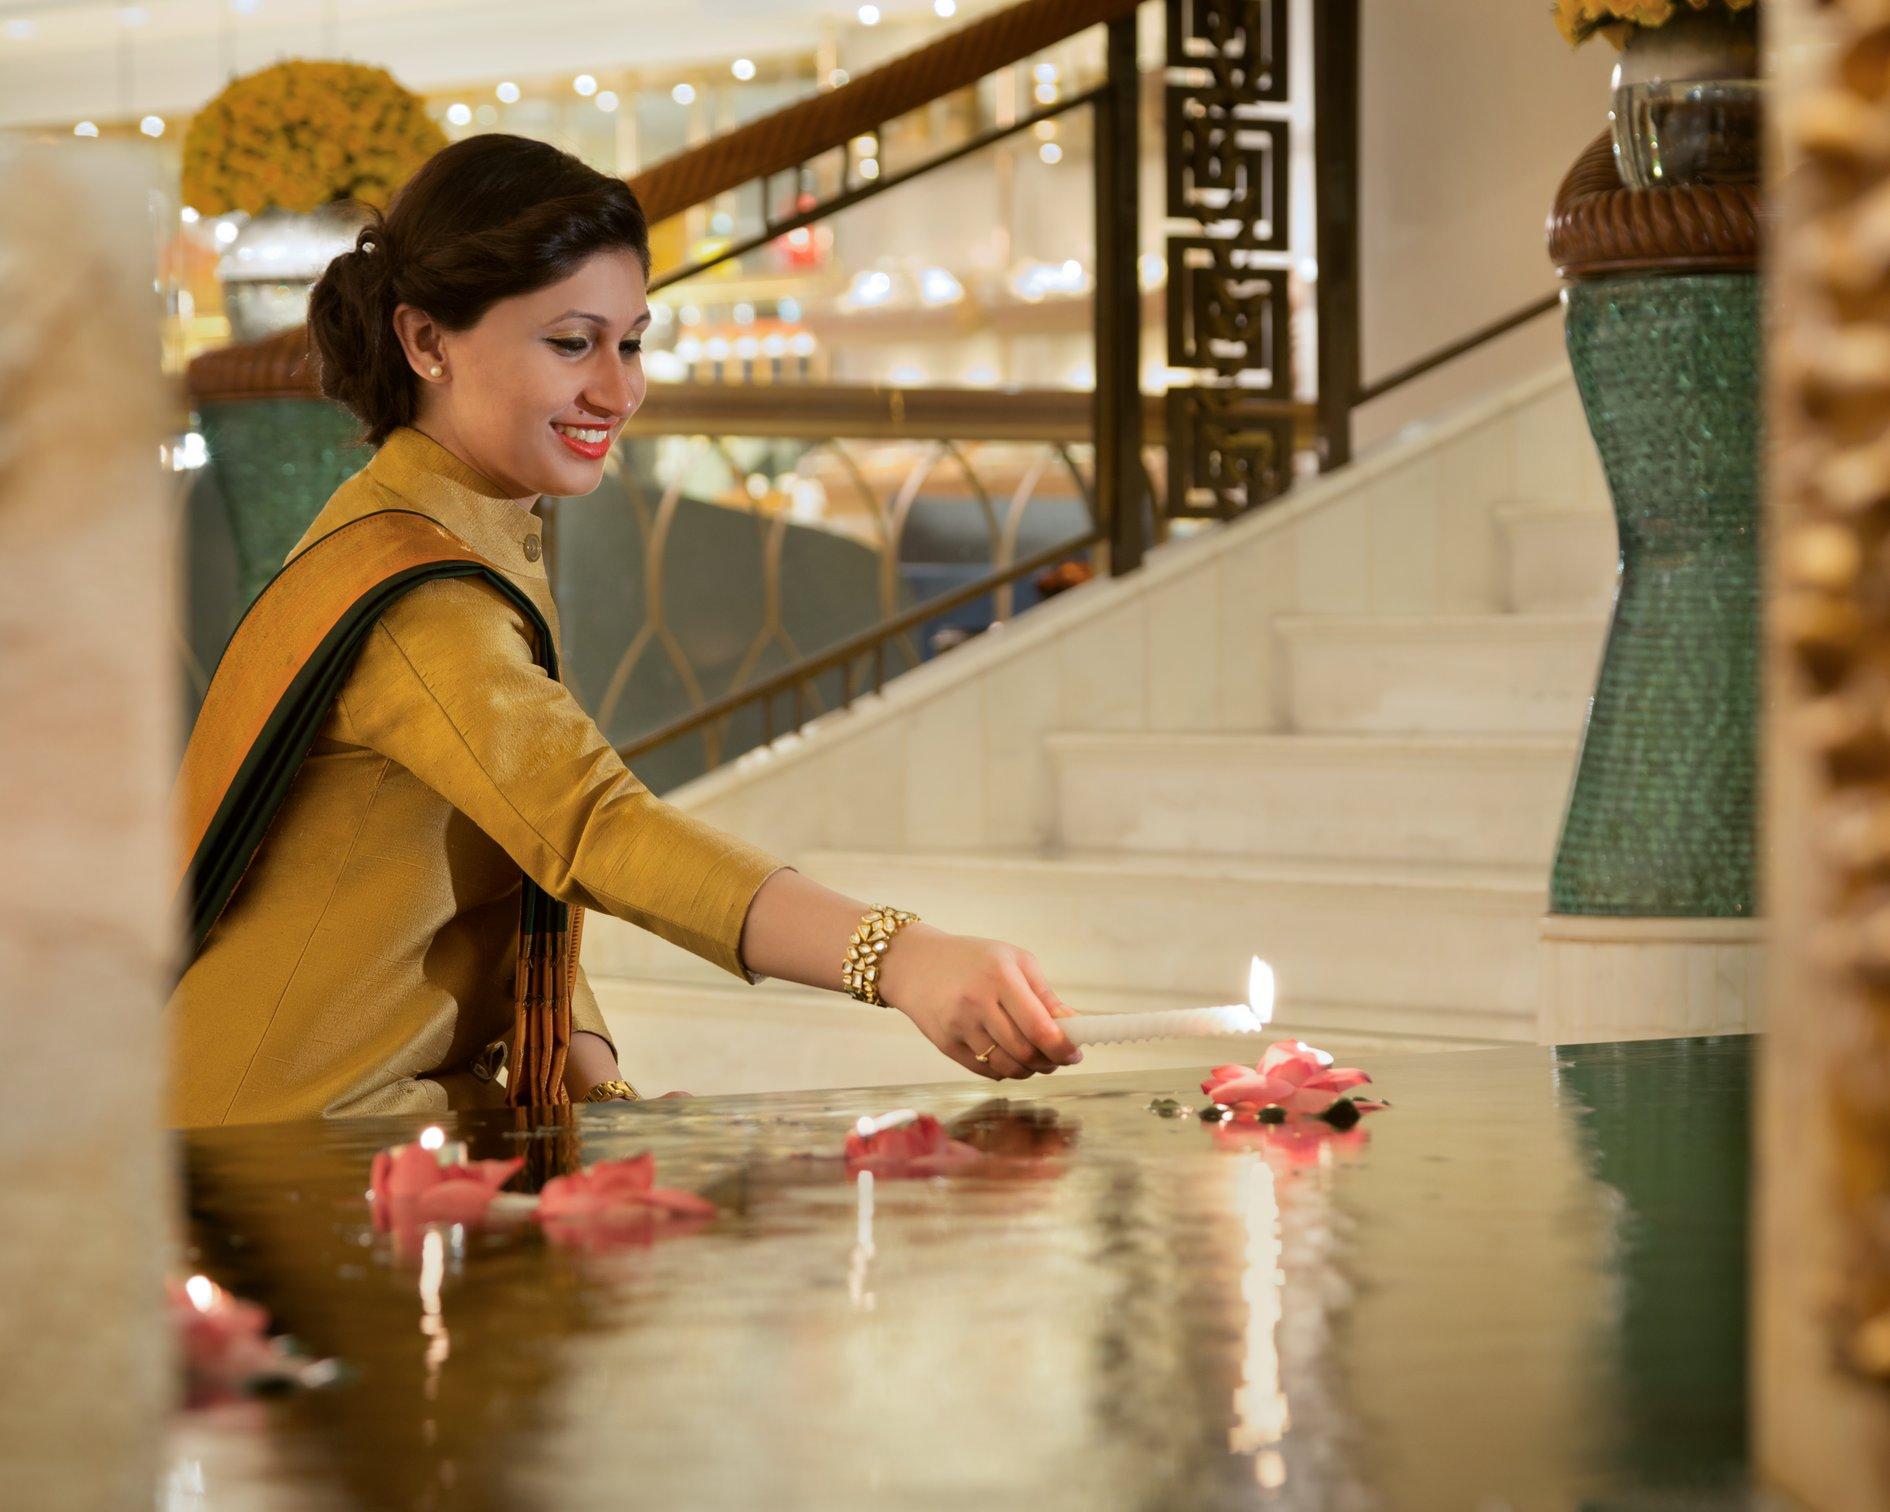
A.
x: 1663, y: 812
x: 277, y: 461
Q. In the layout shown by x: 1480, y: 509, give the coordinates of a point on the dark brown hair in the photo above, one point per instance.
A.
x: 482, y: 220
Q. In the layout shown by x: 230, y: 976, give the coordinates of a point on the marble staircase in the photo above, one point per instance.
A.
x: 1338, y: 733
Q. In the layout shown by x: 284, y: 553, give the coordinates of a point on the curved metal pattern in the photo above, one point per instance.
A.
x: 889, y: 516
x: 656, y: 536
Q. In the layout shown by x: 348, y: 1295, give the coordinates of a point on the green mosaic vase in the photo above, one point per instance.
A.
x: 1662, y: 815
x: 277, y: 461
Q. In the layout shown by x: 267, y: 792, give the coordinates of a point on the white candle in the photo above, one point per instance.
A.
x: 1250, y: 1017
x: 1168, y: 1023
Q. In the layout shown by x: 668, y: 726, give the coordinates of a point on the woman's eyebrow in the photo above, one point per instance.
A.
x: 641, y: 320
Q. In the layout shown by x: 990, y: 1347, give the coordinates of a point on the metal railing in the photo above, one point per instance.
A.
x: 1116, y: 490
x: 877, y: 465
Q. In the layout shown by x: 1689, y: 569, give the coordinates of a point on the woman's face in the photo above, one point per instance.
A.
x: 535, y: 394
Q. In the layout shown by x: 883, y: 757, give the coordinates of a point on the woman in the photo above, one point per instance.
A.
x: 403, y: 901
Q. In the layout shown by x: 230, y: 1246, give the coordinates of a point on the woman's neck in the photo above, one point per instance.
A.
x: 443, y: 435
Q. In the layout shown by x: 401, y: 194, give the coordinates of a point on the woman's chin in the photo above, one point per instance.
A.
x: 570, y: 476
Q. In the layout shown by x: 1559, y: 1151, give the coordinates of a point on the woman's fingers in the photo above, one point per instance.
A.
x: 1033, y: 1020
x: 1033, y: 974
x: 999, y: 1064
x: 967, y: 1056
x: 1000, y: 1030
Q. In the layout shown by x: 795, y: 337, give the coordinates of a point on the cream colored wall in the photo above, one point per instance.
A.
x: 1470, y: 113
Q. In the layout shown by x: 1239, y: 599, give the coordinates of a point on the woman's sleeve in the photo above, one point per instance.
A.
x: 446, y: 686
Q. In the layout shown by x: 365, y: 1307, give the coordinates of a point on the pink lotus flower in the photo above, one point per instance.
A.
x: 1291, y: 1075
x: 911, y: 1146
x: 225, y: 1346
x: 617, y: 1202
x: 224, y: 1341
x: 412, y: 1185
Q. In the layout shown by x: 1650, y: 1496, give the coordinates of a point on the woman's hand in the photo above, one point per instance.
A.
x: 967, y: 994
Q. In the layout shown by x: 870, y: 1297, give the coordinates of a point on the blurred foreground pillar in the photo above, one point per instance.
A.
x: 88, y: 742
x: 1821, y: 1321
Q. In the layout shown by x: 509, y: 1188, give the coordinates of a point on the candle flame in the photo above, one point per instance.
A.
x: 1260, y: 989
x: 432, y: 1137
x: 202, y: 1291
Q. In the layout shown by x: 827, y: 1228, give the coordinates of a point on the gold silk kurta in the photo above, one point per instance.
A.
x: 365, y: 962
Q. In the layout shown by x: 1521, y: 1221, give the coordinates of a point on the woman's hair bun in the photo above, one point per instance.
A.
x: 484, y: 219
x: 351, y: 327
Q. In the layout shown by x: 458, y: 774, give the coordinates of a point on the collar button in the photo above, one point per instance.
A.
x: 532, y: 549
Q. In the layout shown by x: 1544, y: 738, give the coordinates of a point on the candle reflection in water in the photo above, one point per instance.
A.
x: 432, y: 1322
x: 862, y: 1255
x: 1260, y: 1410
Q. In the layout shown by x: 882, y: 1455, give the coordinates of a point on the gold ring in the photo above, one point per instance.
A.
x: 985, y: 1059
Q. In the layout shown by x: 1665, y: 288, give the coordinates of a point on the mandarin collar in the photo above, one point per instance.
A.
x: 442, y: 486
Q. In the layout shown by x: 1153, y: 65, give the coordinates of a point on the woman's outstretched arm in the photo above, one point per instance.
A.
x: 964, y: 993
x: 447, y: 686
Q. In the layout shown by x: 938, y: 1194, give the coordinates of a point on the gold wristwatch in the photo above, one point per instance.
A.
x: 608, y: 1091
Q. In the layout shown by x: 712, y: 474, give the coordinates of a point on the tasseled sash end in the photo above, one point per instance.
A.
x: 548, y: 939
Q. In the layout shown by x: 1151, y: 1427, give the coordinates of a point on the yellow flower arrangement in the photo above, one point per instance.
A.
x: 299, y: 134
x: 1581, y: 19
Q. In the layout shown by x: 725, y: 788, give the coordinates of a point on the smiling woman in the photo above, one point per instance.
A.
x: 396, y: 814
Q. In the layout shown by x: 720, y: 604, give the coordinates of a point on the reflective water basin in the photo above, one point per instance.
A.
x: 1521, y: 1286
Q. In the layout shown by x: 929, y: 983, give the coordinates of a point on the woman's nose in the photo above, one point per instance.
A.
x: 611, y: 392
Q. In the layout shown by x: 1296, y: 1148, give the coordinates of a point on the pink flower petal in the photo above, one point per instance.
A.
x: 635, y: 1174
x: 1282, y: 1054
x: 1308, y: 1100
x: 1252, y: 1088
x: 571, y: 1197
x: 1221, y: 1074
x: 453, y: 1202
x: 412, y: 1170
x: 490, y: 1173
x: 1339, y: 1078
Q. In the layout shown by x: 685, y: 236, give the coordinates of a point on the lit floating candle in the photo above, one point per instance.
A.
x: 1250, y: 1017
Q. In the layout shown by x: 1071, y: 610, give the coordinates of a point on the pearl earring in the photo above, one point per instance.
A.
x: 436, y: 370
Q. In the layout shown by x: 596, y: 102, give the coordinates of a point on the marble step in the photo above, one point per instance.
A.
x: 1407, y: 940
x: 1559, y: 558
x: 707, y: 1038
x: 1478, y: 798
x: 1509, y: 674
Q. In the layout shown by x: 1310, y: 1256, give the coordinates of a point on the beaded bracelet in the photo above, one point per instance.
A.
x: 859, y: 974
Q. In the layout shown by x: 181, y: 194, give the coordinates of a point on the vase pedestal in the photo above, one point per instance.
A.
x: 1620, y: 979
x: 1652, y: 929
